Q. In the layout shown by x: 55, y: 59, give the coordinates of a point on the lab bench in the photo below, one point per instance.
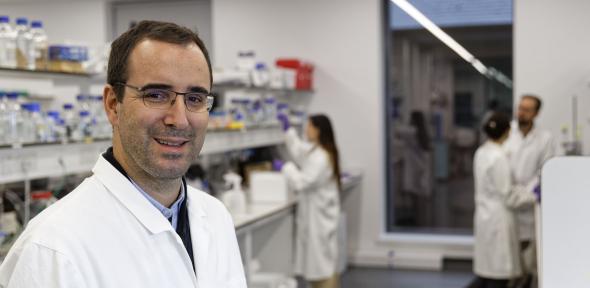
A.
x: 266, y: 232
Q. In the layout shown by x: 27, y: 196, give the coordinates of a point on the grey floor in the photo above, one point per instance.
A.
x: 356, y: 277
x: 394, y: 278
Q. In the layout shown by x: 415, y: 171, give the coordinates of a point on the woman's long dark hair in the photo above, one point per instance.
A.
x: 328, y: 142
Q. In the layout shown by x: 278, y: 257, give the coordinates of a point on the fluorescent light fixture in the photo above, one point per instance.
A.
x: 480, y: 67
x: 451, y: 43
x: 435, y: 30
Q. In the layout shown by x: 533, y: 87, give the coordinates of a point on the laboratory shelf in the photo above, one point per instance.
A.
x: 226, y: 87
x: 223, y: 141
x: 54, y: 160
x: 82, y: 80
x: 41, y: 74
x: 58, y: 77
x: 51, y: 160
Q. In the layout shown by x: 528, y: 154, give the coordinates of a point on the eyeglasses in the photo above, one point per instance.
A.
x: 159, y: 98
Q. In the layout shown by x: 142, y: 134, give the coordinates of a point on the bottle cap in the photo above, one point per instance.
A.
x: 22, y: 21
x: 36, y: 24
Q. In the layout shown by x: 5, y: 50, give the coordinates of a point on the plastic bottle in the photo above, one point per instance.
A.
x: 83, y: 103
x: 256, y: 113
x: 69, y: 117
x: 84, y: 129
x: 61, y: 131
x: 26, y: 132
x: 39, y: 125
x: 25, y: 51
x: 7, y: 43
x: 52, y: 120
x: 40, y: 45
x: 234, y: 199
x: 248, y: 119
x: 15, y: 120
x: 3, y: 118
x: 270, y: 110
x: 102, y: 128
x: 260, y: 75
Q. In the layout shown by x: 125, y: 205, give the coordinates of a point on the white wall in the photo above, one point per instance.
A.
x: 552, y: 59
x: 194, y: 14
x: 343, y: 39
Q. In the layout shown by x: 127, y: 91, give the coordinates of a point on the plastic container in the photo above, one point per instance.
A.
x: 235, y: 198
x: 246, y: 60
x: 70, y: 121
x: 15, y: 119
x: 52, y: 120
x: 83, y: 102
x: 102, y: 127
x: 84, y: 129
x: 3, y: 119
x: 25, y: 51
x: 40, y: 45
x: 260, y: 75
x: 7, y: 43
x: 61, y: 130
x: 303, y: 76
x: 239, y: 111
x: 218, y: 119
x: 256, y: 113
x: 269, y: 107
x: 39, y: 129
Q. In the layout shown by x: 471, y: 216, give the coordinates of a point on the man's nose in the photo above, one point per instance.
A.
x: 176, y: 115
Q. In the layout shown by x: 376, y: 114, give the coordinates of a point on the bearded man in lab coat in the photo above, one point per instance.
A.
x: 528, y: 148
x: 135, y: 222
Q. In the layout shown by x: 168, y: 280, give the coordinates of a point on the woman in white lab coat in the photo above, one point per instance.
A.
x: 315, y: 176
x: 496, y: 258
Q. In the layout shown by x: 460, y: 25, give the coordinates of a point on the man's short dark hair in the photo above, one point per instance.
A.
x: 118, y: 67
x: 536, y: 99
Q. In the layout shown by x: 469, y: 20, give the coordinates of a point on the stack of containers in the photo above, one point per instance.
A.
x: 7, y: 43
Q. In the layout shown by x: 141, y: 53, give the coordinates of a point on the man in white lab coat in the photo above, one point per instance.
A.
x: 135, y: 222
x: 528, y: 147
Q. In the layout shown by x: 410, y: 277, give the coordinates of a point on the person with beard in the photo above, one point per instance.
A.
x: 528, y: 148
x: 135, y: 222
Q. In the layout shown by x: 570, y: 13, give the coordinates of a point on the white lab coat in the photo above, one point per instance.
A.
x: 527, y: 156
x: 496, y: 254
x: 318, y: 208
x: 106, y: 234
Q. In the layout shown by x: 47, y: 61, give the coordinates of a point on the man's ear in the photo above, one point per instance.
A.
x: 109, y: 99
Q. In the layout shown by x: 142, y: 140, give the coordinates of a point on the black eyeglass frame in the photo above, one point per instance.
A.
x: 209, y: 98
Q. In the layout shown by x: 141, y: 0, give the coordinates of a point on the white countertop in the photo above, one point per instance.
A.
x: 257, y: 212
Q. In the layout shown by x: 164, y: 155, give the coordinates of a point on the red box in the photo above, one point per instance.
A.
x: 303, y: 72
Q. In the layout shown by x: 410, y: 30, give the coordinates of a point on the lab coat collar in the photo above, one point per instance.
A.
x: 118, y: 185
x: 531, y: 135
